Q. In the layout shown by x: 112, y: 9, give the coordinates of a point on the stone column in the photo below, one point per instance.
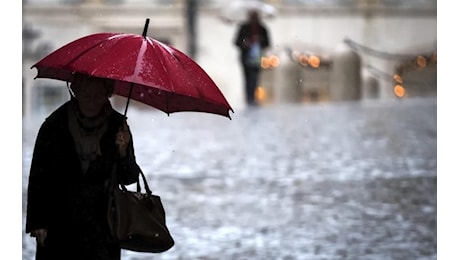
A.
x: 345, y: 74
x: 266, y: 80
x: 93, y: 1
x: 386, y: 86
x: 28, y: 76
x: 370, y: 87
x: 286, y: 87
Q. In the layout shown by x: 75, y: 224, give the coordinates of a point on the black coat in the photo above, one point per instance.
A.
x: 71, y: 205
x: 243, y: 35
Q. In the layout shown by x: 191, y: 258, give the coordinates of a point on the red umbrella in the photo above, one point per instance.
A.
x: 145, y: 70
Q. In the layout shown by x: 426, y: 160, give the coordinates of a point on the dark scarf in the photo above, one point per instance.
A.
x: 87, y: 132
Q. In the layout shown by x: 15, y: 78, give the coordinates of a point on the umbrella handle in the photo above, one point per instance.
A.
x: 129, y: 98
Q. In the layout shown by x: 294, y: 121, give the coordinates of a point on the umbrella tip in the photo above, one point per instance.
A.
x: 228, y: 113
x: 146, y: 26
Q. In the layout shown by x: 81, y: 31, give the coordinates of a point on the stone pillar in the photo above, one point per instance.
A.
x: 386, y: 86
x: 28, y: 76
x: 93, y: 1
x: 345, y: 74
x: 370, y: 87
x: 286, y: 87
x: 266, y: 80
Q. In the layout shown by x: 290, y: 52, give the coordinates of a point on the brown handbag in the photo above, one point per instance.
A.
x: 137, y: 220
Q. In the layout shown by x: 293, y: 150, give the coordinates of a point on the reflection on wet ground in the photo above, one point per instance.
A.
x: 324, y: 181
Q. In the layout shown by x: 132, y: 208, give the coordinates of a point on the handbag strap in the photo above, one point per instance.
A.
x: 116, y: 181
x: 146, y: 185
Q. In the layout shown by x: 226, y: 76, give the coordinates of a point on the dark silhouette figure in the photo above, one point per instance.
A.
x: 252, y: 39
x: 75, y: 150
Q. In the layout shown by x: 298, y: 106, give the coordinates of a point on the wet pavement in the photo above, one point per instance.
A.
x: 354, y: 180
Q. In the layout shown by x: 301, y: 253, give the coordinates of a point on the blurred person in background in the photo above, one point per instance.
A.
x: 252, y: 39
x: 75, y: 149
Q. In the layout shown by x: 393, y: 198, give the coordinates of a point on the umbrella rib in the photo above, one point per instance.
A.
x: 190, y: 76
x: 171, y: 52
x: 90, y: 48
x: 142, y: 51
x: 136, y: 71
x: 162, y: 61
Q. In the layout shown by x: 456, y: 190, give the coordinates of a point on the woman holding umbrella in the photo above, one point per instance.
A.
x: 75, y: 150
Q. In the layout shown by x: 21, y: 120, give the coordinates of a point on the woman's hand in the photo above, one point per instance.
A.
x: 122, y: 139
x: 40, y: 235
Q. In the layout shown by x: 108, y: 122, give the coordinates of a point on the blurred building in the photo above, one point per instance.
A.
x: 322, y: 50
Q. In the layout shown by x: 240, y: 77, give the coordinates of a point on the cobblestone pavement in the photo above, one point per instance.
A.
x: 324, y: 181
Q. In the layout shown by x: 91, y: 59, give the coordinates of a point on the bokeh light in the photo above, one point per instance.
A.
x: 260, y: 94
x: 399, y: 91
x: 274, y: 61
x: 264, y: 63
x: 398, y: 78
x: 269, y: 62
x: 421, y: 62
x: 303, y: 59
x: 314, y: 61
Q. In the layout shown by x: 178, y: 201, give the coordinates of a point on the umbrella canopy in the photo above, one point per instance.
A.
x: 237, y: 11
x: 143, y: 68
